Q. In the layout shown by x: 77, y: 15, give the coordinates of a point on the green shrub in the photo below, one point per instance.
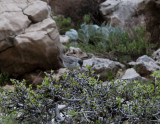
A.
x: 112, y: 39
x: 86, y: 100
x: 63, y: 24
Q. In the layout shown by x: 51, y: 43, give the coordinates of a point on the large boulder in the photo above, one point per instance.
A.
x: 104, y: 67
x: 28, y: 37
x: 133, y: 13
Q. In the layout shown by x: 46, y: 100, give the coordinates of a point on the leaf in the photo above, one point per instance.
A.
x: 72, y: 113
x: 72, y: 34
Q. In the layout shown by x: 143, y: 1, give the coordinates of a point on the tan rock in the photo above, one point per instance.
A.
x: 64, y: 39
x: 37, y: 11
x: 12, y: 26
x: 9, y: 87
x: 59, y: 73
x: 76, y: 52
x: 24, y: 46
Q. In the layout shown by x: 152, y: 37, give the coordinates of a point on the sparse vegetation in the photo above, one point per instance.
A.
x: 105, y: 38
x: 63, y: 24
x: 86, y: 100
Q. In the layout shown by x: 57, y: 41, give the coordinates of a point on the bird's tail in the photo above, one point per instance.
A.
x: 60, y: 52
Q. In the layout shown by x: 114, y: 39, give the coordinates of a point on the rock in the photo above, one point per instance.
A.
x: 156, y: 55
x: 145, y: 58
x: 26, y: 46
x: 121, y: 12
x: 5, y: 45
x: 10, y: 87
x: 64, y: 39
x: 59, y: 73
x: 133, y: 13
x: 146, y: 65
x: 103, y: 66
x: 132, y: 63
x: 76, y: 52
x: 12, y: 26
x: 131, y: 74
x: 37, y: 12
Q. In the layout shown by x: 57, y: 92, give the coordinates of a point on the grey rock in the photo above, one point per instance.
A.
x: 103, y: 66
x: 146, y: 65
x: 145, y: 58
x: 156, y: 55
x: 131, y: 74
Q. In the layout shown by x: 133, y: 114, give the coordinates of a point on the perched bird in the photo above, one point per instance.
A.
x: 70, y: 62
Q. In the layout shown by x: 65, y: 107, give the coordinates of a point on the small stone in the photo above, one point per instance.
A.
x: 76, y: 52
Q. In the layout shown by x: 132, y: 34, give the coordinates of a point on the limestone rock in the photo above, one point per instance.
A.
x: 121, y: 12
x: 9, y: 87
x: 131, y: 74
x: 145, y: 58
x: 146, y: 65
x: 156, y: 55
x: 37, y: 11
x: 103, y: 66
x: 26, y: 46
x: 12, y: 26
x: 59, y: 73
x: 64, y: 39
x: 76, y: 52
x: 129, y: 14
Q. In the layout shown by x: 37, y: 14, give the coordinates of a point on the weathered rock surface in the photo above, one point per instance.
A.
x: 64, y: 39
x: 121, y: 12
x: 156, y: 55
x: 133, y: 13
x: 146, y: 65
x: 103, y: 66
x: 59, y: 73
x: 131, y: 74
x: 34, y: 13
x: 76, y: 52
x: 28, y: 37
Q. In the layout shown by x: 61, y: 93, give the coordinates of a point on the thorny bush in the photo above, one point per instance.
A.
x: 86, y: 100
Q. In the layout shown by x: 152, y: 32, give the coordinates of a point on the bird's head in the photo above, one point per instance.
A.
x: 80, y: 62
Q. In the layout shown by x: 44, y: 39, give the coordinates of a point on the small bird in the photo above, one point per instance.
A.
x: 70, y: 62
